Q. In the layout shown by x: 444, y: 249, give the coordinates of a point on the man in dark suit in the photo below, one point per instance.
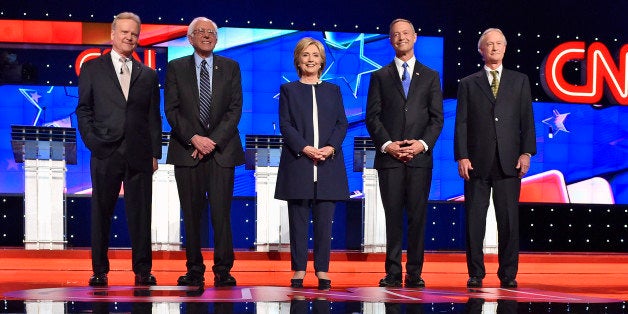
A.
x: 203, y: 105
x: 494, y: 139
x: 119, y: 121
x: 404, y: 116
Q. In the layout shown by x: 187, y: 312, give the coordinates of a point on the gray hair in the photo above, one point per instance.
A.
x: 196, y: 20
x: 488, y: 31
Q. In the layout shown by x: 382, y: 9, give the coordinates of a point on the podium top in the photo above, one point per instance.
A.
x: 43, y: 142
x: 264, y: 141
x: 42, y: 133
x: 363, y: 143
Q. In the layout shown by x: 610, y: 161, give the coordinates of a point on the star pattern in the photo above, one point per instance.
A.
x: 556, y: 123
x: 33, y: 97
x: 349, y: 71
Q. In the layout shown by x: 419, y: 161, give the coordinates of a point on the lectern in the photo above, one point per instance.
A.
x: 262, y: 155
x: 374, y: 231
x: 44, y: 151
x: 166, y: 210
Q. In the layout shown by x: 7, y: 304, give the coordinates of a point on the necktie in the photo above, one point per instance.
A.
x: 125, y: 78
x: 205, y: 95
x: 405, y: 79
x: 494, y: 83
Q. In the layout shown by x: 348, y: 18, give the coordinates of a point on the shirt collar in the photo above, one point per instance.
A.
x: 410, y: 62
x: 198, y: 59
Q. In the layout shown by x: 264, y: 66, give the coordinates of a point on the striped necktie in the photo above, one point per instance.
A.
x: 205, y: 95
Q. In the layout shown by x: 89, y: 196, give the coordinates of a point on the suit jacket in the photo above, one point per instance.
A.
x: 105, y: 118
x: 485, y: 124
x: 182, y: 111
x: 390, y: 116
x: 295, y: 178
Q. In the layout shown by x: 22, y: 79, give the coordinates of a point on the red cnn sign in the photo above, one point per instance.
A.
x: 599, y: 71
x: 88, y: 54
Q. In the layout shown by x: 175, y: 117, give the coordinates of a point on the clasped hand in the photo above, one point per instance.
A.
x: 405, y: 150
x: 203, y: 146
x: 318, y: 154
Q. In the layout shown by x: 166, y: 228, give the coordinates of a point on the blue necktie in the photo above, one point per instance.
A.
x: 405, y: 79
x: 205, y: 95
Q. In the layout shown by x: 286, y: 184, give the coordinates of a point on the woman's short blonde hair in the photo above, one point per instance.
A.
x: 304, y: 43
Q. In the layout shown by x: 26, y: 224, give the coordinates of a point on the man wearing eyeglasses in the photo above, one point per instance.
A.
x: 203, y: 105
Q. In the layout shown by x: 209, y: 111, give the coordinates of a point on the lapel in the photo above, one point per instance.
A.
x: 217, y: 81
x: 190, y: 72
x: 482, y: 81
x: 135, y: 73
x: 110, y: 70
x: 391, y: 68
x: 414, y: 76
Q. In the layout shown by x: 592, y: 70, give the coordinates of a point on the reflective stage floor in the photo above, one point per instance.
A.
x: 56, y: 282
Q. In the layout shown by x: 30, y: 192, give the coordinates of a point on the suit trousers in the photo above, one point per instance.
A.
x: 405, y: 188
x: 298, y: 218
x: 207, y: 181
x: 107, y: 176
x: 506, y: 191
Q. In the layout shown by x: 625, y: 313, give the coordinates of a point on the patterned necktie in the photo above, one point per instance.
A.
x: 205, y: 95
x: 125, y: 77
x: 405, y: 79
x: 494, y: 83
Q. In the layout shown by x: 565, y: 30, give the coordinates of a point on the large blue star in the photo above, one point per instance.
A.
x: 556, y: 123
x: 342, y: 62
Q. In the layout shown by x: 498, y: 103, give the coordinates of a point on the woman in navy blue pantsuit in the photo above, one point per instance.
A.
x: 312, y: 174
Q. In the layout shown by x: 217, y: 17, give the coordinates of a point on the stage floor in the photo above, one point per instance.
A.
x: 56, y: 281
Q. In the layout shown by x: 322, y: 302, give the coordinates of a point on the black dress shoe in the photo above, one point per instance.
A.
x: 145, y: 280
x: 296, y: 283
x: 98, y: 280
x: 414, y: 282
x: 390, y: 281
x: 474, y: 282
x: 508, y: 284
x: 324, y: 284
x: 192, y: 281
x: 224, y: 280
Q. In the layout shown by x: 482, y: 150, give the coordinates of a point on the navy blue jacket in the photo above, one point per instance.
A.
x: 295, y: 179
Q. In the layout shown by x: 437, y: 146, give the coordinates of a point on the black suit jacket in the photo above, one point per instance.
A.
x: 485, y: 124
x: 182, y: 111
x: 390, y: 116
x: 105, y: 118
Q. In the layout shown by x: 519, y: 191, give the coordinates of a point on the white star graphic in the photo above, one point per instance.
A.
x: 33, y: 97
x: 556, y: 123
x: 363, y: 66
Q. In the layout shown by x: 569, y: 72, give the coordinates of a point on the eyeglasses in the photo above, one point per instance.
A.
x: 203, y: 32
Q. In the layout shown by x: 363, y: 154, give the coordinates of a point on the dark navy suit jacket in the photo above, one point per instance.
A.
x: 390, y: 116
x: 295, y: 179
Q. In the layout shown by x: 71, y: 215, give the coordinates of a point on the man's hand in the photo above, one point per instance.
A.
x: 203, y: 144
x: 155, y: 164
x: 464, y: 166
x: 395, y: 150
x: 523, y: 164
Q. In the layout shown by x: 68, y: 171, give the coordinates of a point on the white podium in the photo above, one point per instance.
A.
x: 272, y: 226
x: 374, y: 230
x: 165, y: 224
x: 44, y: 152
